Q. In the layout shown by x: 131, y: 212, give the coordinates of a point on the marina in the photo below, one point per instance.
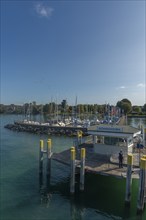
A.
x: 67, y: 127
x: 20, y: 182
x: 102, y: 143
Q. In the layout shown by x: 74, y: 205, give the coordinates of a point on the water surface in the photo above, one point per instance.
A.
x: 21, y: 198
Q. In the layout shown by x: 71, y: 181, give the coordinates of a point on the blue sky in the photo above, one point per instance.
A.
x: 54, y: 50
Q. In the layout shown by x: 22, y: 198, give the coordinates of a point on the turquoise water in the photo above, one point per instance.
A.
x: 137, y: 121
x: 21, y: 198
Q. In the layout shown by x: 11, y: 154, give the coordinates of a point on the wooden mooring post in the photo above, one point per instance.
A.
x: 79, y: 137
x: 48, y: 152
x: 73, y: 165
x: 129, y: 179
x: 82, y: 169
x: 41, y: 149
x: 142, y: 186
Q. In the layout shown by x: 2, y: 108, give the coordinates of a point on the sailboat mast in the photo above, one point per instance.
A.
x: 76, y: 107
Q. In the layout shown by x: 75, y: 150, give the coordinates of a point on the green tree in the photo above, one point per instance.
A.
x: 125, y: 105
x: 35, y: 110
x: 127, y: 101
x: 46, y: 108
x: 144, y: 108
x: 80, y: 108
x: 2, y: 108
x: 85, y: 108
x: 64, y: 106
x: 119, y: 104
x: 136, y: 109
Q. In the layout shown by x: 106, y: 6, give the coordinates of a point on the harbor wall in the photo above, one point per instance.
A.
x: 45, y: 129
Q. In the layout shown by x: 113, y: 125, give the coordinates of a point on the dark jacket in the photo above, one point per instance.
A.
x: 120, y: 156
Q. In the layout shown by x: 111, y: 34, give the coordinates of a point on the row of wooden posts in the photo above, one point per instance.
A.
x: 48, y: 152
x: 142, y: 176
x: 142, y: 182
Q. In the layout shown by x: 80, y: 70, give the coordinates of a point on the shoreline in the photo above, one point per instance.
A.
x: 136, y: 116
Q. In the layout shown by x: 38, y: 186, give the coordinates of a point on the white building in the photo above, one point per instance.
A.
x: 110, y: 139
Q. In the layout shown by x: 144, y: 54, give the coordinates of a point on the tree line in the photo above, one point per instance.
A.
x: 124, y: 106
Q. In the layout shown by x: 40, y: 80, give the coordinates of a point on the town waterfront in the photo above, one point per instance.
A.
x: 21, y: 199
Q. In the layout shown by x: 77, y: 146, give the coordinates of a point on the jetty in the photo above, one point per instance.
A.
x: 98, y: 153
x: 35, y: 128
x: 100, y: 164
x: 103, y: 162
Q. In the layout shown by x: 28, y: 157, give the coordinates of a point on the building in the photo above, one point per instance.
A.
x: 110, y: 139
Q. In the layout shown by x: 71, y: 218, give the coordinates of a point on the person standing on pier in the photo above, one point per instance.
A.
x: 121, y: 159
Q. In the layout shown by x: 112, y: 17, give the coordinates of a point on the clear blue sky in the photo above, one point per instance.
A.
x: 94, y: 50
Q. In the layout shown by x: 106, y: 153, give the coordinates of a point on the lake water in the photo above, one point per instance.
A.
x: 21, y: 198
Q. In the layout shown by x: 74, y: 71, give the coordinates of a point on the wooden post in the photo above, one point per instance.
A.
x: 49, y: 154
x: 79, y: 137
x: 142, y: 186
x: 41, y: 161
x: 129, y: 178
x: 82, y: 169
x: 143, y: 136
x: 72, y: 178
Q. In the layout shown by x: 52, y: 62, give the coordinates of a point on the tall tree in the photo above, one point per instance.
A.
x: 125, y: 105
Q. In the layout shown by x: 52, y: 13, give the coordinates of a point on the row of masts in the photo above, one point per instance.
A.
x: 110, y: 116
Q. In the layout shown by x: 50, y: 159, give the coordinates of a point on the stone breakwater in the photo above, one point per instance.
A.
x: 37, y: 128
x: 43, y: 129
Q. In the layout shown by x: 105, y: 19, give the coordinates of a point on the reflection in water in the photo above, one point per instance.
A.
x: 104, y: 194
x: 75, y: 211
x: 136, y: 122
x: 45, y: 191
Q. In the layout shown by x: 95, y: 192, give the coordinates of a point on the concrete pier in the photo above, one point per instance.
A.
x: 100, y: 164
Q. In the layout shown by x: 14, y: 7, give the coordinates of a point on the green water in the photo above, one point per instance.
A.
x: 21, y: 199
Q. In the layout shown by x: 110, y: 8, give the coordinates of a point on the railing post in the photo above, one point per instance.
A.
x: 82, y: 169
x: 129, y: 178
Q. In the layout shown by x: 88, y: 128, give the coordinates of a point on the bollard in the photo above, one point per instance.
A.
x: 72, y: 180
x: 142, y: 186
x: 129, y: 178
x: 82, y: 169
x: 79, y: 137
x: 72, y: 148
x: 41, y: 161
x: 49, y: 154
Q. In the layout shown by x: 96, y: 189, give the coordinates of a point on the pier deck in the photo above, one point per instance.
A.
x: 99, y: 164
